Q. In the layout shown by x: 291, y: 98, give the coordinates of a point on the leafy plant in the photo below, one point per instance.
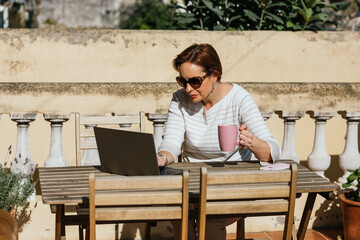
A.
x: 14, y: 188
x: 148, y: 14
x: 252, y: 14
x: 353, y: 180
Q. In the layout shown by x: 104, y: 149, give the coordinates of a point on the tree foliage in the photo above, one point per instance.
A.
x: 290, y: 15
x: 149, y: 14
x: 252, y: 14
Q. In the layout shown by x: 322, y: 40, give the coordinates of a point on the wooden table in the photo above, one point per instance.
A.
x: 68, y: 186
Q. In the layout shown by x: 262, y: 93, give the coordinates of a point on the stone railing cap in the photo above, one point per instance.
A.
x: 157, y: 116
x: 23, y: 116
x: 350, y: 115
x: 49, y: 116
x: 321, y: 115
x: 290, y: 114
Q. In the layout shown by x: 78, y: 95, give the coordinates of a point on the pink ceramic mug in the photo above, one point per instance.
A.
x: 228, y: 135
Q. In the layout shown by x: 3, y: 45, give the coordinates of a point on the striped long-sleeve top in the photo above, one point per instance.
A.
x: 194, y: 130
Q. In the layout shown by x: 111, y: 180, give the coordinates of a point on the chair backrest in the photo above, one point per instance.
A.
x: 138, y: 198
x: 84, y: 128
x: 247, y: 193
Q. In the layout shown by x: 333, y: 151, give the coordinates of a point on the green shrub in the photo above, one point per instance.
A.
x: 353, y: 180
x: 14, y: 189
x: 148, y: 14
x: 252, y: 14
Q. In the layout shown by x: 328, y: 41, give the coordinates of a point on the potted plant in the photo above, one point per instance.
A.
x: 15, y: 189
x: 350, y: 206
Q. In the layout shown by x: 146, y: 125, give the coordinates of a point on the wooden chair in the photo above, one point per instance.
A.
x: 247, y: 193
x: 139, y: 198
x: 84, y: 133
x: 85, y: 140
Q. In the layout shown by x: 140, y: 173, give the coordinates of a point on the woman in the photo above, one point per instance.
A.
x: 195, y: 112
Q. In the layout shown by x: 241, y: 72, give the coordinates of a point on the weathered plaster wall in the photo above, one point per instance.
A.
x: 62, y: 55
x: 93, y: 71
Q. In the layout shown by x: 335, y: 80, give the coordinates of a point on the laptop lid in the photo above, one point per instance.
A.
x: 126, y: 152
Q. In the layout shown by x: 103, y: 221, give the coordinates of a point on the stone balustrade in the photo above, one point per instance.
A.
x: 318, y: 160
x: 316, y: 103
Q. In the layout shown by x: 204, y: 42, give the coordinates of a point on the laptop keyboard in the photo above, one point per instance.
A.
x: 169, y: 171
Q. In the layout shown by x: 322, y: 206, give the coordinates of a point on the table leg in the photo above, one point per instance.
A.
x: 59, y: 226
x: 240, y: 229
x: 306, y: 215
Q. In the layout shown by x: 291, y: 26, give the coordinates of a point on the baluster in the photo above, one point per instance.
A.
x: 22, y: 162
x: 265, y: 115
x: 159, y: 121
x: 350, y: 158
x: 319, y: 159
x: 90, y: 156
x: 56, y: 155
x: 288, y: 149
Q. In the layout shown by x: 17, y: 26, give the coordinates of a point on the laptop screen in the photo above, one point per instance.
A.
x: 126, y: 152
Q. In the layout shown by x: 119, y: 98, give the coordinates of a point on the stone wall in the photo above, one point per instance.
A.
x: 68, y: 55
x: 83, y: 13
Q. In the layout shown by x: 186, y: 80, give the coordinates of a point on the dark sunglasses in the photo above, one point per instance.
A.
x: 195, y: 82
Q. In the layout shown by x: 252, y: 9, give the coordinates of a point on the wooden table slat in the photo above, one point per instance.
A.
x: 64, y: 185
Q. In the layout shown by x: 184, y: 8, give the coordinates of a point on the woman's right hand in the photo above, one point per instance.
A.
x: 162, y: 160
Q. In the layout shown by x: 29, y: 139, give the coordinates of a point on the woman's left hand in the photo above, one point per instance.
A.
x: 246, y: 137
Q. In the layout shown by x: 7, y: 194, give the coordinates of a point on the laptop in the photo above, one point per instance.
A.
x: 129, y: 153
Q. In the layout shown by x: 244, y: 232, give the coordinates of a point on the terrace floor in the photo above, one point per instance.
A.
x: 318, y: 234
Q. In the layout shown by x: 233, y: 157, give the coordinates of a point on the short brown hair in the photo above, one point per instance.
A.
x: 203, y: 55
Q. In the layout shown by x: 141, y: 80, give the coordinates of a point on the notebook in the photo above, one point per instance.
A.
x: 129, y: 153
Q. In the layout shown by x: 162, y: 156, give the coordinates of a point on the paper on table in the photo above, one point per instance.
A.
x: 276, y: 166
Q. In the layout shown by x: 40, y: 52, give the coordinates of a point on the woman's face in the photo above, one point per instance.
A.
x: 189, y: 70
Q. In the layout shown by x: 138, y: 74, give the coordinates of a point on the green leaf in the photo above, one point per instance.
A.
x: 186, y: 18
x: 321, y: 16
x: 351, y: 178
x: 346, y: 185
x: 215, y: 10
x: 312, y: 3
x: 274, y: 18
x: 234, y: 18
x: 277, y: 4
x: 219, y: 28
x: 290, y: 24
x: 308, y: 12
x: 303, y: 14
x: 251, y: 15
x: 231, y: 29
x: 257, y: 2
